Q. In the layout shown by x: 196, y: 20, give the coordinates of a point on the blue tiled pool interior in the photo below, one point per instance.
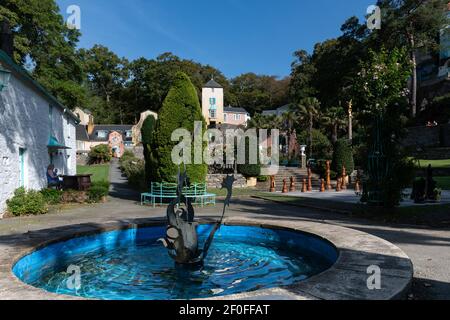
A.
x: 132, y: 265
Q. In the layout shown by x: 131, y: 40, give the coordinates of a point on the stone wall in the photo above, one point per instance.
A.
x: 214, y: 181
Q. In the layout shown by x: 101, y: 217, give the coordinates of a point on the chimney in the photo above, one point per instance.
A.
x: 6, y: 38
x: 90, y: 125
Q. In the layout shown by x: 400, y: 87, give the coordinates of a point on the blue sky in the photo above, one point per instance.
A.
x: 235, y: 36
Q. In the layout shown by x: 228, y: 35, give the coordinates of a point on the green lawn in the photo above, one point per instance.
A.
x: 237, y: 192
x: 100, y: 172
x: 443, y: 182
x: 435, y: 163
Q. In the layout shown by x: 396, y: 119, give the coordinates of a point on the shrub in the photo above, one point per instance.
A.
x: 180, y: 109
x: 27, y: 202
x: 249, y: 170
x: 52, y: 196
x: 127, y: 154
x: 134, y: 170
x: 74, y: 196
x: 98, y: 191
x: 263, y: 178
x: 99, y: 154
x: 343, y: 157
x: 322, y: 147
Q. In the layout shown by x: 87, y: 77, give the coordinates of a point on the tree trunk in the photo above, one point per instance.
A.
x: 414, y: 86
x: 310, y: 135
x: 334, y: 136
x: 413, y: 94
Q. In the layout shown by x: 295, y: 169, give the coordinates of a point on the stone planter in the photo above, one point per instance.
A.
x: 251, y: 182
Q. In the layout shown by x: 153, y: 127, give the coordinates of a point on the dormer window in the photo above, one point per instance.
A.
x: 102, y: 134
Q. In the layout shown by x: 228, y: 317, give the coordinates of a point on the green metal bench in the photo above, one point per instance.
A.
x: 197, y: 192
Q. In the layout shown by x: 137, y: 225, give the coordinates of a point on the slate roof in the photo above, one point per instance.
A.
x: 26, y: 76
x: 212, y: 84
x: 110, y: 128
x: 234, y: 110
x: 81, y: 133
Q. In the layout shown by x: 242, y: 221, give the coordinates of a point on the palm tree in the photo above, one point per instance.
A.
x: 334, y: 118
x: 288, y: 120
x: 308, y: 110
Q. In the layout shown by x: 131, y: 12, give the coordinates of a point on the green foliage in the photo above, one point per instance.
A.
x: 27, y: 202
x: 127, y: 155
x: 98, y: 191
x: 322, y: 147
x: 382, y: 91
x: 256, y: 93
x: 42, y: 39
x: 134, y: 170
x: 382, y: 81
x: 147, y: 132
x: 343, y: 157
x: 52, y: 196
x: 181, y: 109
x: 100, y: 154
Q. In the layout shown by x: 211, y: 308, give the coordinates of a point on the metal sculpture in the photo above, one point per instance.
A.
x: 181, y: 238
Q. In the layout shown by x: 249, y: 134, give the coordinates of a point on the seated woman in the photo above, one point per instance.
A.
x: 52, y: 177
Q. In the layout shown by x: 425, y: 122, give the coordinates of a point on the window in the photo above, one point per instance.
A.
x: 129, y: 134
x: 50, y: 118
x: 235, y: 117
x: 212, y: 113
x: 225, y: 117
x: 102, y: 134
x: 212, y: 101
x: 238, y: 117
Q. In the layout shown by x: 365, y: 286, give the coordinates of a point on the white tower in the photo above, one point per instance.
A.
x: 212, y: 103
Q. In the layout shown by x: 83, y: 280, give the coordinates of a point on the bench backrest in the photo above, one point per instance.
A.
x: 164, y: 189
x: 170, y: 189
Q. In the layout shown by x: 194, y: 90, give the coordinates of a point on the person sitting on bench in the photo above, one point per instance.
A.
x: 53, y: 180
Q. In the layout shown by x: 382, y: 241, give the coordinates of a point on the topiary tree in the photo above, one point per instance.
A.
x: 147, y: 132
x: 343, y: 157
x: 180, y: 109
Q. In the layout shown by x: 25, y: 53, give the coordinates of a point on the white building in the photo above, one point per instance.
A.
x: 35, y: 130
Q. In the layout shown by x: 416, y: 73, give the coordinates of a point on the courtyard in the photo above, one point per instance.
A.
x: 423, y: 245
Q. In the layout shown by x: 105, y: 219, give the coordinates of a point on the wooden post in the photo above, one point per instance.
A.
x: 309, y: 180
x: 343, y: 177
x: 304, y: 189
x: 272, y: 184
x: 357, y: 187
x: 292, y: 186
x: 285, y: 189
x: 328, y: 177
x: 322, y: 185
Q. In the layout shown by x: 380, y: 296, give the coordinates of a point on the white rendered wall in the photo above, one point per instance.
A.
x: 24, y: 123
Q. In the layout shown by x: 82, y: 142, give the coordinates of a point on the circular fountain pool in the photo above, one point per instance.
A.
x: 132, y: 264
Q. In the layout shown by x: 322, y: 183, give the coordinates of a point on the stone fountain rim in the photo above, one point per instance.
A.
x: 345, y: 280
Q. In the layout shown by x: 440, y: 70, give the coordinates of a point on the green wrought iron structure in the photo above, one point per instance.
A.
x: 377, y: 166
